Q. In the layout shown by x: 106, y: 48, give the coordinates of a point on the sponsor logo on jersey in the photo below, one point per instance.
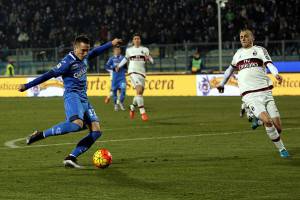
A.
x: 80, y: 73
x: 137, y: 58
x: 249, y: 63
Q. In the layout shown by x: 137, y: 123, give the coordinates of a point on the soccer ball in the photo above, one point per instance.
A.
x: 102, y: 158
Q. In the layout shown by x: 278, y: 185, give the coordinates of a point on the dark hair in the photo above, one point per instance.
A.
x: 82, y: 38
x: 137, y: 35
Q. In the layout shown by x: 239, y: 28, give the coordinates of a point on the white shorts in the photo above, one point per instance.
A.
x: 260, y: 102
x: 137, y: 79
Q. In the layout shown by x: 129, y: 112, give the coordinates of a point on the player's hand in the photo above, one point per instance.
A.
x: 279, y: 78
x: 220, y: 89
x: 21, y: 88
x: 116, y: 41
x: 117, y: 68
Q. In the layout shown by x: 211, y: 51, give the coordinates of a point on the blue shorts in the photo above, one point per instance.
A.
x: 118, y: 84
x: 75, y: 108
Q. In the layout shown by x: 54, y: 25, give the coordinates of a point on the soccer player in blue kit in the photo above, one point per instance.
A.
x: 79, y: 112
x: 118, y: 78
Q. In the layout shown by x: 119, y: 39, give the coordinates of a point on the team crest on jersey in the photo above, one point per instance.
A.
x: 254, y: 53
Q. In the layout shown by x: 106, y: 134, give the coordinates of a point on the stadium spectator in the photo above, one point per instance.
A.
x: 197, y: 63
x: 10, y: 69
x: 169, y: 21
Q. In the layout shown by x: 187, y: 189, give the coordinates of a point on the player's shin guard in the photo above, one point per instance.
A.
x: 86, y: 143
x: 62, y: 128
x: 275, y: 137
x: 115, y: 96
x: 140, y: 103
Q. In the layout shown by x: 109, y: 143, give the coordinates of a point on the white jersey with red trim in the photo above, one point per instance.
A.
x: 251, y: 66
x: 137, y: 59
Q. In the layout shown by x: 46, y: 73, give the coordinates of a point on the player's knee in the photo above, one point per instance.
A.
x: 96, y: 126
x: 268, y: 122
x: 139, y: 90
x: 79, y: 122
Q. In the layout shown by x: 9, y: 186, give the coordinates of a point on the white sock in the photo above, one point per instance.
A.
x: 134, y: 101
x: 140, y: 103
x: 275, y: 137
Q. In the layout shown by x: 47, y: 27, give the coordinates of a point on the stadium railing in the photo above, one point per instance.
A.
x: 168, y: 57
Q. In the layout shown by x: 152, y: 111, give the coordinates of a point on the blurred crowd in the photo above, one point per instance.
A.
x: 45, y: 23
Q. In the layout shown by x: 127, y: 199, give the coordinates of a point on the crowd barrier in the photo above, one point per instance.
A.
x: 156, y: 85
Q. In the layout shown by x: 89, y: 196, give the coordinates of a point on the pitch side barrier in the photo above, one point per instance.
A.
x: 156, y: 85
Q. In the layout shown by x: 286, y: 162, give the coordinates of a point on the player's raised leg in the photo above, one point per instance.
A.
x: 140, y: 102
x: 138, y: 82
x: 85, y: 143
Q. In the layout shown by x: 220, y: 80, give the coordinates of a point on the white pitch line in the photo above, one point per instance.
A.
x: 11, y: 144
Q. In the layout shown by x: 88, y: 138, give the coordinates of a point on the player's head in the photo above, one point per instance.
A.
x: 117, y: 50
x: 246, y: 38
x: 136, y: 39
x: 81, y: 46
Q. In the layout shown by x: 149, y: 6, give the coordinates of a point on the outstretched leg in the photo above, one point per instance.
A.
x: 59, y: 129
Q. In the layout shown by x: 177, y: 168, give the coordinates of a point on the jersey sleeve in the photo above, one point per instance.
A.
x: 127, y: 54
x: 61, y: 68
x: 234, y: 60
x: 98, y: 50
x: 264, y: 55
x: 147, y: 53
x: 109, y: 64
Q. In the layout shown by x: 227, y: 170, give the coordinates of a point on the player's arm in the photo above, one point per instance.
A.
x: 123, y: 62
x: 109, y: 65
x: 269, y: 64
x: 227, y: 74
x: 149, y: 57
x: 59, y: 70
x: 274, y: 72
x: 98, y: 50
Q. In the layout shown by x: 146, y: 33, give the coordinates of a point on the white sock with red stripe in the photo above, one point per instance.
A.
x: 140, y: 103
x: 275, y: 137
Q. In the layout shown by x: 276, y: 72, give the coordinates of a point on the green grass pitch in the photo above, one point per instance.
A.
x: 192, y: 148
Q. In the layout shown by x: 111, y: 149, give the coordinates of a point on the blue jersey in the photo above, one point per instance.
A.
x: 73, y: 72
x: 112, y: 62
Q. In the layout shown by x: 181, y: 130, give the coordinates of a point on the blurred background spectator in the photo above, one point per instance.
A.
x: 197, y: 63
x: 40, y: 23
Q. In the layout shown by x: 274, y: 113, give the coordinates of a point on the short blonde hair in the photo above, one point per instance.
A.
x: 248, y: 31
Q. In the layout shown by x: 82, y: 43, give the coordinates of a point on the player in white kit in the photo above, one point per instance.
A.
x: 256, y: 87
x: 137, y: 56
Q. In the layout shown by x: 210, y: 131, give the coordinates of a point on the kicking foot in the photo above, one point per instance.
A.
x: 131, y: 111
x: 284, y: 153
x: 35, y: 136
x: 107, y: 100
x: 116, y: 107
x: 255, y: 123
x: 71, y: 162
x: 145, y: 117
